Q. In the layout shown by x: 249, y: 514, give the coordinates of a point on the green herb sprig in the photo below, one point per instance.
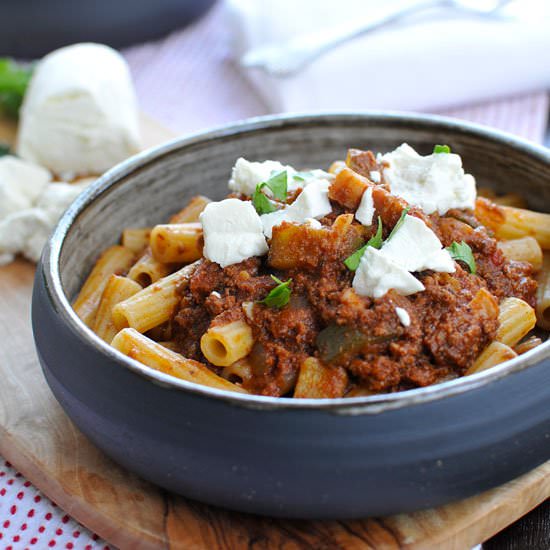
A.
x: 278, y: 184
x: 278, y: 296
x: 442, y: 149
x: 352, y: 262
x: 461, y: 252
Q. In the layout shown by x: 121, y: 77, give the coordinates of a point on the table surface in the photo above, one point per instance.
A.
x: 205, y: 89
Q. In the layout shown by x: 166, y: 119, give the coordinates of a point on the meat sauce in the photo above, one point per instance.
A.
x: 449, y: 324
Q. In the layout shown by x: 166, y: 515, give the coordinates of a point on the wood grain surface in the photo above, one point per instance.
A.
x: 42, y: 443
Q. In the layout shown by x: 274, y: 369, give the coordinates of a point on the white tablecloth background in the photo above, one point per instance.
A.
x: 188, y: 82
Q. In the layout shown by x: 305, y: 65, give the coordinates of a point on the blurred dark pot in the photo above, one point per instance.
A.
x: 32, y: 28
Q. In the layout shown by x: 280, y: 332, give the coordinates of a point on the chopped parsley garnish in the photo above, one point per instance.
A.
x: 442, y: 149
x: 399, y: 222
x: 14, y: 79
x: 278, y: 296
x: 352, y: 262
x: 261, y: 203
x: 278, y: 184
x: 461, y: 252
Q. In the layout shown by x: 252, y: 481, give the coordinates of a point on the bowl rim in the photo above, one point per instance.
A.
x: 372, y: 404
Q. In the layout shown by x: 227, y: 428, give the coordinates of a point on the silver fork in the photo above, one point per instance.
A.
x: 288, y: 58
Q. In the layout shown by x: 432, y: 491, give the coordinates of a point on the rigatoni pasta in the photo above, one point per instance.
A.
x: 115, y: 260
x: 117, y: 290
x: 383, y: 274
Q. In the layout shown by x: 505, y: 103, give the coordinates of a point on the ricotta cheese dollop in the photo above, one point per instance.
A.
x: 79, y: 114
x: 435, y: 183
x: 232, y: 232
x: 20, y: 184
x: 413, y: 247
x: 312, y: 202
x: 246, y: 175
x: 377, y: 274
x: 27, y: 230
x: 416, y: 247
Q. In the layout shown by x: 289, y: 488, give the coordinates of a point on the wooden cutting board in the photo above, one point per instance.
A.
x: 42, y: 443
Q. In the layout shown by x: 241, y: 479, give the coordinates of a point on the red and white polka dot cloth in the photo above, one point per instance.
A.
x: 29, y: 520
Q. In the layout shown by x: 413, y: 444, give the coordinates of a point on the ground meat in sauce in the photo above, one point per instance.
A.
x: 447, y: 330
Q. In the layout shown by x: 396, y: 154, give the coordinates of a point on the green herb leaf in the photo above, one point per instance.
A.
x: 261, y: 203
x: 442, y: 149
x: 399, y: 223
x: 278, y: 183
x: 352, y: 262
x: 278, y: 296
x: 14, y: 80
x: 461, y: 252
x: 376, y: 241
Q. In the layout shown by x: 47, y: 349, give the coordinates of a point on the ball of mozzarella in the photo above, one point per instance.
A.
x: 79, y: 115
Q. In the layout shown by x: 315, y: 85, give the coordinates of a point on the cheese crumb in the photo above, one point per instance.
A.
x: 404, y: 316
x: 216, y: 294
x: 232, y: 232
x: 365, y: 211
x: 377, y: 274
x: 415, y: 247
x: 435, y: 183
x: 312, y: 202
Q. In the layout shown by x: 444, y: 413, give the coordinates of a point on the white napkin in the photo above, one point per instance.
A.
x: 430, y: 61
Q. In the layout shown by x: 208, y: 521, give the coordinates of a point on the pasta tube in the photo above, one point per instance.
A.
x: 117, y: 289
x: 192, y: 211
x: 133, y: 344
x: 513, y: 223
x: 348, y: 188
x: 526, y: 249
x: 148, y: 270
x: 516, y: 319
x: 494, y: 354
x: 318, y: 381
x: 223, y: 345
x: 240, y: 371
x: 153, y: 305
x: 115, y: 260
x: 542, y: 308
x: 177, y: 243
x: 136, y: 238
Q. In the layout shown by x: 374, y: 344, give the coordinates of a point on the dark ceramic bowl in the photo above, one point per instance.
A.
x: 296, y: 458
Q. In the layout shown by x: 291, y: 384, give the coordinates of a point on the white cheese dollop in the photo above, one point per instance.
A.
x: 246, y: 175
x: 26, y: 231
x: 20, y: 184
x: 404, y: 316
x: 232, y: 232
x: 415, y: 247
x: 312, y: 202
x: 365, y: 211
x: 435, y: 183
x: 377, y: 274
x: 79, y: 114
